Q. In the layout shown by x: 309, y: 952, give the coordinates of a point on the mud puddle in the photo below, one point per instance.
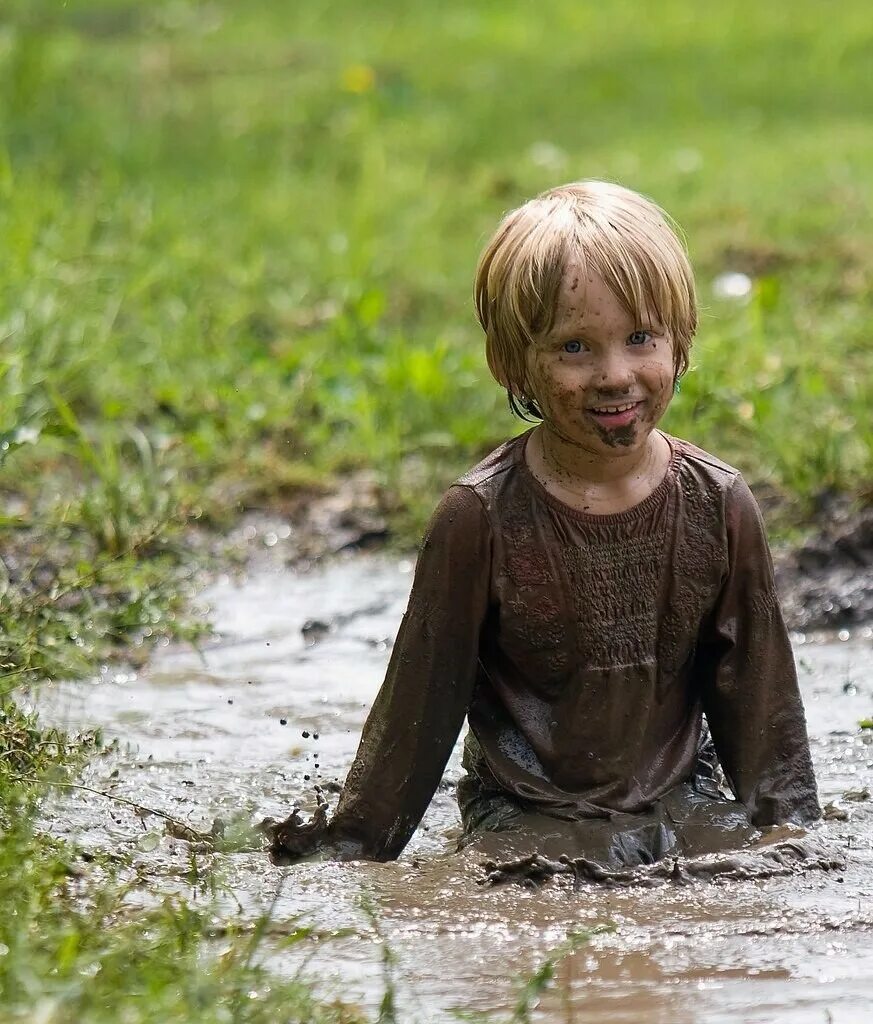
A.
x: 275, y: 703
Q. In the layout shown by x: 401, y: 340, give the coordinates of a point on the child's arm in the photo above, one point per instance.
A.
x: 418, y: 713
x: 750, y: 691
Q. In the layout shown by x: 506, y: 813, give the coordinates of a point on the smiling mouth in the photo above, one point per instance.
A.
x: 618, y: 415
x: 613, y: 408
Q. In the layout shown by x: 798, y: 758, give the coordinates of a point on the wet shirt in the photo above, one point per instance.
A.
x: 584, y: 650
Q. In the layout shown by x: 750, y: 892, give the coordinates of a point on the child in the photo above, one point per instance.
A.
x: 591, y: 589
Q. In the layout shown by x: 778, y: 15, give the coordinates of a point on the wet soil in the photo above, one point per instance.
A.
x: 825, y: 583
x: 828, y: 581
x: 273, y: 706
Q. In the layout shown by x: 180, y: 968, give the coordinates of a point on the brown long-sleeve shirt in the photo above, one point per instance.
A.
x: 584, y: 650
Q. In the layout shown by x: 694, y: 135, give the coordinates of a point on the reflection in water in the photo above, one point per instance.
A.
x: 267, y: 712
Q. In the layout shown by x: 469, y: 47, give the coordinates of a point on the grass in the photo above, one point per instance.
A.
x: 74, y: 947
x: 238, y: 243
x: 68, y: 959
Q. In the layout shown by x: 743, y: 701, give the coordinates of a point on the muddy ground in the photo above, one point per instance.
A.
x: 273, y: 705
x: 826, y: 582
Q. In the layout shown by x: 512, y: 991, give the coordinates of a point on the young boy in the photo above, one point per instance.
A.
x: 591, y: 589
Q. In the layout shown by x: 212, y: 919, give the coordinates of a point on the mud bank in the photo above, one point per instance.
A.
x: 273, y: 705
x: 827, y: 583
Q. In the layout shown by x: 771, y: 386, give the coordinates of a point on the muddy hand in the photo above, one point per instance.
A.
x: 293, y: 839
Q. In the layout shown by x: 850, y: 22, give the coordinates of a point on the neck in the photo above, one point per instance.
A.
x: 571, y: 462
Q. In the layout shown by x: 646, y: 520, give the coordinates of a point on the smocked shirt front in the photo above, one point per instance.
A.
x: 584, y: 649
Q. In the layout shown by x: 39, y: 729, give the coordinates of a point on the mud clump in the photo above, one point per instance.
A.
x: 294, y: 838
x: 786, y: 858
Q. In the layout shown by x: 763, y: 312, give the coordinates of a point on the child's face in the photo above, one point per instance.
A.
x: 596, y: 358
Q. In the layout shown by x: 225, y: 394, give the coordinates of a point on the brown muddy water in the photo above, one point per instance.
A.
x: 274, y: 704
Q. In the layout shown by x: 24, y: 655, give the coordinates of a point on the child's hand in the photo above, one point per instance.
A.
x: 293, y: 839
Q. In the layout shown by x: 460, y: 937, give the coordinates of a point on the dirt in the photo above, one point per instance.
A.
x: 827, y: 583
x: 202, y: 738
x: 768, y: 861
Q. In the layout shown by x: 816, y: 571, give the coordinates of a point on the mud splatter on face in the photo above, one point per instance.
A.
x: 617, y: 437
x: 605, y: 366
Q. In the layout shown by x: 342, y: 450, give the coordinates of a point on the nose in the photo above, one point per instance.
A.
x: 614, y: 374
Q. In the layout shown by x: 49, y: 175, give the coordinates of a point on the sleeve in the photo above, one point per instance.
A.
x: 750, y: 692
x: 418, y: 713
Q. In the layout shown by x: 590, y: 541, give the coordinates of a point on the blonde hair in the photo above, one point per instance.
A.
x: 622, y: 236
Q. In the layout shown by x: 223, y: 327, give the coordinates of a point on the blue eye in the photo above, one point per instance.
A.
x: 639, y: 337
x: 572, y: 347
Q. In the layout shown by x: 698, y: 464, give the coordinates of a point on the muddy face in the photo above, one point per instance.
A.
x: 601, y: 380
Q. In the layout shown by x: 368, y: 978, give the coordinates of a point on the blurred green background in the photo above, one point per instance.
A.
x: 238, y: 242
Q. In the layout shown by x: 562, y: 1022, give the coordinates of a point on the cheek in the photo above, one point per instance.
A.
x: 664, y: 376
x: 659, y: 380
x: 556, y: 391
x: 658, y: 374
x: 560, y: 386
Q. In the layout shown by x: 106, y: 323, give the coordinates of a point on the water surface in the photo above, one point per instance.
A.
x: 275, y: 703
